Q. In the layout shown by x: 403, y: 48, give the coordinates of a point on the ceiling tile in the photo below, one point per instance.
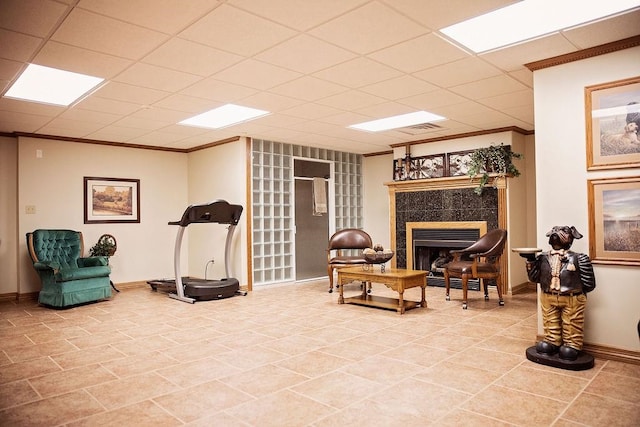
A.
x: 190, y: 57
x: 34, y: 17
x: 9, y: 69
x: 129, y: 93
x: 228, y: 28
x: 305, y: 54
x: 91, y: 31
x: 68, y: 127
x: 605, y: 31
x: 17, y: 47
x: 358, y: 72
x: 491, y: 86
x: 513, y: 58
x: 296, y: 14
x: 437, y: 14
x: 89, y: 116
x: 310, y: 111
x: 385, y: 110
x: 140, y: 123
x: 308, y: 88
x: 161, y: 114
x: 35, y: 108
x: 346, y: 118
x: 96, y: 103
x: 13, y: 121
x: 217, y: 90
x: 116, y: 133
x: 430, y: 100
x: 153, y: 77
x: 270, y: 101
x: 256, y: 74
x: 185, y: 103
x: 369, y: 28
x: 351, y: 100
x: 79, y: 60
x: 167, y: 16
x: 400, y: 87
x: 509, y: 100
x: 419, y: 53
x: 458, y: 72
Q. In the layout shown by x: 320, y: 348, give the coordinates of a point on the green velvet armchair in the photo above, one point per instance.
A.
x: 67, y: 278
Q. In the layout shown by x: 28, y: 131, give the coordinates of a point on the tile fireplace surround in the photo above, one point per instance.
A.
x: 445, y: 200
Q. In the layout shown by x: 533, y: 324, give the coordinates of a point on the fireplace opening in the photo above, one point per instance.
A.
x: 431, y: 251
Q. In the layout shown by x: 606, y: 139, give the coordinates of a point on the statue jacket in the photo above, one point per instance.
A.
x: 576, y: 272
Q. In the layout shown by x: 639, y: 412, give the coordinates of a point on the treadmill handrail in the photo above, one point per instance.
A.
x: 217, y: 211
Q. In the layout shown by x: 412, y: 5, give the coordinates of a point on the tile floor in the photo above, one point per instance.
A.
x: 292, y: 356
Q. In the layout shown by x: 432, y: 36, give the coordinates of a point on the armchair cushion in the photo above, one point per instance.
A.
x: 67, y: 278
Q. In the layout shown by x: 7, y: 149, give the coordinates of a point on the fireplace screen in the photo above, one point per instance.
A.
x: 431, y: 251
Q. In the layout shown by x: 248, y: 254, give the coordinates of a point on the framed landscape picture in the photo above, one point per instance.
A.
x: 613, y: 122
x: 111, y: 200
x: 614, y: 220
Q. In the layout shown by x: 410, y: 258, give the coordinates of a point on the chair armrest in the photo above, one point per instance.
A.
x: 46, y: 265
x: 94, y: 261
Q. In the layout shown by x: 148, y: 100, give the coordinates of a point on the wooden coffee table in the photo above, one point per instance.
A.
x: 397, y: 279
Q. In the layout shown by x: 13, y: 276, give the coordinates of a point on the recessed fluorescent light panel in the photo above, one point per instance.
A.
x: 400, y: 121
x: 51, y: 86
x: 224, y: 116
x: 529, y: 19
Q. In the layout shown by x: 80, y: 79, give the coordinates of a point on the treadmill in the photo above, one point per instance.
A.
x: 189, y: 289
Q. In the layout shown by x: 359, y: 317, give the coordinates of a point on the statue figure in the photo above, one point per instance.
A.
x: 565, y: 278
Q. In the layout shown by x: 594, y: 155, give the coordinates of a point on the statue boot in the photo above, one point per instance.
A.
x: 568, y: 353
x: 546, y: 348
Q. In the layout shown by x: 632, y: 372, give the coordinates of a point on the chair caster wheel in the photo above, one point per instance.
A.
x: 464, y: 305
x: 486, y: 297
x: 447, y: 298
x: 330, y: 290
x: 369, y: 291
x: 501, y: 303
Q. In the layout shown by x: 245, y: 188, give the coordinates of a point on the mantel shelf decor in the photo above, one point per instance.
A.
x: 484, y: 166
x: 494, y: 159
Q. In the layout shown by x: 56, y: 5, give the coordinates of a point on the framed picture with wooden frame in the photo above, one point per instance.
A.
x: 614, y: 220
x: 458, y: 163
x: 613, y: 122
x: 111, y: 200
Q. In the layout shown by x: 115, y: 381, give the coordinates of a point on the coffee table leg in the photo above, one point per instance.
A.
x: 400, y: 301
x: 423, y: 302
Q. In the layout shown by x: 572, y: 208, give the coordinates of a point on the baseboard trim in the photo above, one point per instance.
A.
x: 610, y: 353
x: 14, y: 296
x: 131, y: 285
x: 523, y: 288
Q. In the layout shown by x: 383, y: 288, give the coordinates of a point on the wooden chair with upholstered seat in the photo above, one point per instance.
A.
x: 345, y: 239
x: 479, y: 261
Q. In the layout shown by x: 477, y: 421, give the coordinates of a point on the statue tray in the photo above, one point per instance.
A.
x: 378, y: 257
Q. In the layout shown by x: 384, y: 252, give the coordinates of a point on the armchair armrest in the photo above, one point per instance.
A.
x: 94, y: 261
x: 46, y: 265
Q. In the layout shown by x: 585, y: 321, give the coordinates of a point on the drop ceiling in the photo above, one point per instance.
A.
x: 317, y: 66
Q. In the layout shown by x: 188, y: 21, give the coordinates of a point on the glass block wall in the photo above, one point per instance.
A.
x: 273, y: 205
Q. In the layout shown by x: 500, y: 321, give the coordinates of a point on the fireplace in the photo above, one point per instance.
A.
x: 429, y: 244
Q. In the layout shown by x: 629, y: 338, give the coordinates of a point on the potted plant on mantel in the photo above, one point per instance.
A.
x: 494, y: 159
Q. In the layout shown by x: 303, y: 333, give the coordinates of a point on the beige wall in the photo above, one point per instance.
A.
x: 54, y: 185
x: 377, y: 170
x: 8, y: 215
x: 612, y: 310
x: 218, y: 173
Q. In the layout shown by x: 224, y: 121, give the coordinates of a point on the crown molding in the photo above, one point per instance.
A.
x: 584, y: 54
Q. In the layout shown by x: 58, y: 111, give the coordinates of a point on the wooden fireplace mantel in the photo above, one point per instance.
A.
x: 499, y: 182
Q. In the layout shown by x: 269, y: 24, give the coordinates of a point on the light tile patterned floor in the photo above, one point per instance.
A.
x: 292, y: 356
